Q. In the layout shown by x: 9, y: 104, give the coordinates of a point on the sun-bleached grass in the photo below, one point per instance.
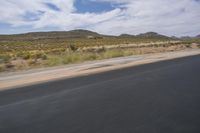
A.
x: 60, y: 56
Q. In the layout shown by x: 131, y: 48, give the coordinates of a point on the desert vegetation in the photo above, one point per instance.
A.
x: 19, y: 52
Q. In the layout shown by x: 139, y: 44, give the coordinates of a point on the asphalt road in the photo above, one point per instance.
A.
x: 161, y: 97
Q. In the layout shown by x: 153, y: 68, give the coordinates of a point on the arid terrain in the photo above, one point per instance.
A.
x: 46, y: 49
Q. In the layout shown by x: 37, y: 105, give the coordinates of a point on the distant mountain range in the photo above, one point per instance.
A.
x: 198, y: 36
x: 73, y: 34
x: 188, y: 37
x: 146, y: 35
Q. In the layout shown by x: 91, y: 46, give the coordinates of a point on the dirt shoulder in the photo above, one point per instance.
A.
x: 24, y: 78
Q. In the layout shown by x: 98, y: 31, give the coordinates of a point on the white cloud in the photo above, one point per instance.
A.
x: 171, y: 17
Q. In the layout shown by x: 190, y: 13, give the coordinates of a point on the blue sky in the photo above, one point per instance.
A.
x: 114, y: 17
x: 85, y: 6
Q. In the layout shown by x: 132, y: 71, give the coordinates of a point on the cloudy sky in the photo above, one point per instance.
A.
x: 169, y: 17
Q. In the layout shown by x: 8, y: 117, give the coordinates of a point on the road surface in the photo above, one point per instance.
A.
x: 162, y: 97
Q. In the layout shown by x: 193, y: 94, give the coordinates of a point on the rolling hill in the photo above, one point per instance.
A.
x: 74, y: 34
x: 49, y: 35
x: 152, y: 35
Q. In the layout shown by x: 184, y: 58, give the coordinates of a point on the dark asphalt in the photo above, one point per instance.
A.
x: 161, y: 97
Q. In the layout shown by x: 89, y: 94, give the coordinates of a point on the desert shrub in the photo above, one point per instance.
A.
x: 2, y: 68
x: 90, y: 56
x: 55, y: 50
x: 9, y: 65
x: 102, y: 49
x: 129, y: 52
x: 113, y: 53
x: 156, y: 45
x: 26, y: 55
x: 20, y: 66
x: 53, y: 61
x: 71, y: 58
x: 73, y: 47
x: 31, y: 62
x: 38, y: 55
x: 4, y: 58
x: 188, y: 46
x: 32, y: 55
x: 23, y: 55
x: 44, y: 57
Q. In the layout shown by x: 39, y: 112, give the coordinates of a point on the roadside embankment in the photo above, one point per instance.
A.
x: 9, y: 80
